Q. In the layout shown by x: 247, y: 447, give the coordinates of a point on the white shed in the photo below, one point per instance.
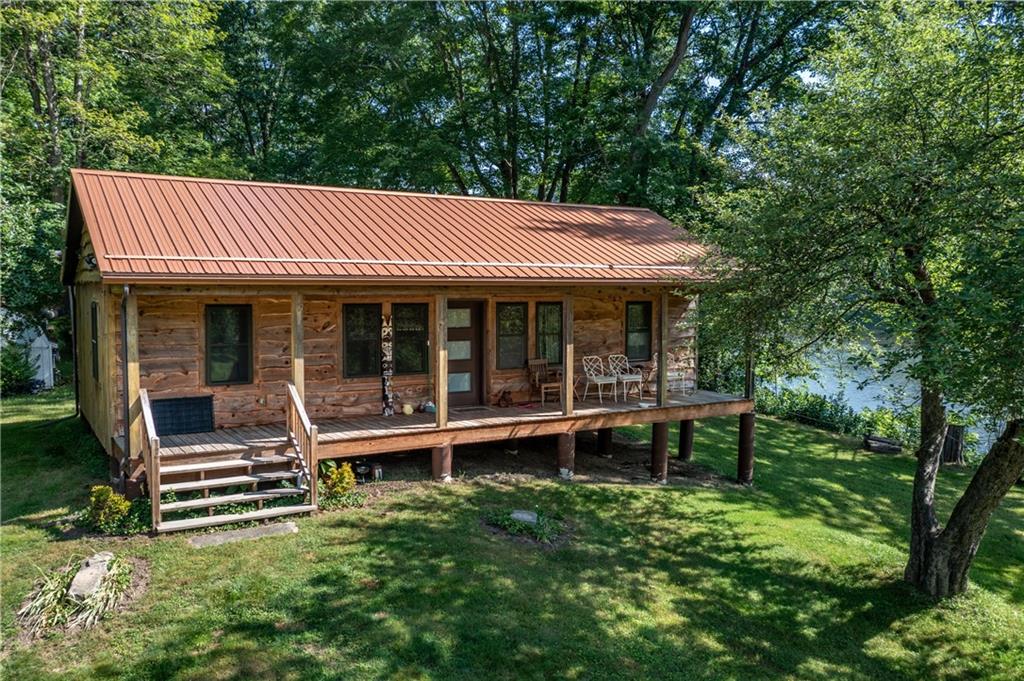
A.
x: 42, y: 352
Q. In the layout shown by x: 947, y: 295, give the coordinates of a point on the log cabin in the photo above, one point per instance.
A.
x: 230, y: 335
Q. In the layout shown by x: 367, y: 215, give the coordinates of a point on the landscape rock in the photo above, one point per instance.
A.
x: 90, y: 576
x: 525, y: 517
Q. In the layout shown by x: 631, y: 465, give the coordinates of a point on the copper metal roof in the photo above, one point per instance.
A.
x: 162, y: 228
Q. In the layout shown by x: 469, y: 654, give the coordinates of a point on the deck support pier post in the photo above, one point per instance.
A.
x: 604, y: 442
x: 686, y: 440
x: 745, y: 458
x: 566, y: 455
x: 441, y: 463
x: 659, y: 452
x: 512, y: 446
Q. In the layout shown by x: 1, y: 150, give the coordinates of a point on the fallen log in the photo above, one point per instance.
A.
x: 882, y: 445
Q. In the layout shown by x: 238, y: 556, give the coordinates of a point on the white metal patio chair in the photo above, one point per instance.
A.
x: 618, y: 366
x: 594, y: 374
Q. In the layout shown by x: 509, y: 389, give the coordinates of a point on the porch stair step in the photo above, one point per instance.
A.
x: 229, y: 481
x: 227, y: 518
x: 244, y: 497
x: 224, y: 463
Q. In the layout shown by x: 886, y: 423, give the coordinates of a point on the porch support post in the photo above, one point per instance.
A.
x: 298, y: 354
x: 686, y: 440
x: 663, y: 349
x: 566, y: 455
x: 441, y: 364
x: 132, y: 406
x: 568, y: 360
x: 745, y: 458
x: 441, y: 463
x: 659, y: 452
x: 604, y: 442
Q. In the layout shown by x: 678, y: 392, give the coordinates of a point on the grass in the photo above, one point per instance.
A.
x: 796, y: 578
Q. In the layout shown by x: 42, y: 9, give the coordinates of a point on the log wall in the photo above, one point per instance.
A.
x: 172, y: 349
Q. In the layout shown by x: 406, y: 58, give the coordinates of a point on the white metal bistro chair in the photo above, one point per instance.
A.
x: 618, y: 366
x: 593, y: 370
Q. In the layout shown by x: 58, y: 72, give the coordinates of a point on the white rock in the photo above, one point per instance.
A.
x: 525, y: 517
x: 90, y: 576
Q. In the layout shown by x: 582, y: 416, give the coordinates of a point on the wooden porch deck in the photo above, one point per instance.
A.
x: 364, y: 435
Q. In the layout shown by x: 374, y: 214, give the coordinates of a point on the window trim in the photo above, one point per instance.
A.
x: 426, y: 339
x: 94, y: 339
x: 649, y: 307
x: 524, y: 336
x: 345, y: 307
x: 561, y: 329
x: 250, y: 345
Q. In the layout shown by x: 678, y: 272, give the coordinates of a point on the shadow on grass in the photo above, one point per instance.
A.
x: 650, y: 589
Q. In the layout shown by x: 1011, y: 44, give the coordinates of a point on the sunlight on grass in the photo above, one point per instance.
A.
x: 796, y: 578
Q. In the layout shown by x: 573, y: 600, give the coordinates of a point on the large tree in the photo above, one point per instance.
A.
x: 889, y: 203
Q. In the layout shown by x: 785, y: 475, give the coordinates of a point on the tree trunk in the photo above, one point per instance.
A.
x: 924, y: 528
x: 943, y: 568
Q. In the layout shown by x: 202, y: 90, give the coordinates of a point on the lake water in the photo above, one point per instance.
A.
x: 857, y: 385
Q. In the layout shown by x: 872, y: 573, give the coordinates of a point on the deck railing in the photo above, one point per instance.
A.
x: 302, y: 435
x: 151, y: 456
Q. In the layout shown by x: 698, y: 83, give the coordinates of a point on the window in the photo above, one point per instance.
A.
x: 94, y: 340
x: 511, y: 321
x: 638, y: 330
x: 549, y: 332
x: 362, y: 340
x: 228, y: 344
x: 410, y: 328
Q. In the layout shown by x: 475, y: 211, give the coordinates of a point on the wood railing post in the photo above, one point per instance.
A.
x: 314, y: 464
x: 298, y: 355
x: 663, y: 350
x: 568, y: 358
x: 153, y: 475
x: 441, y: 361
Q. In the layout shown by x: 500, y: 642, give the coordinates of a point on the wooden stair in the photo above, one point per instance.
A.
x: 280, y: 470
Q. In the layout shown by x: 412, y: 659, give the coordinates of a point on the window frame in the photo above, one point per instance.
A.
x: 523, y: 336
x: 345, y: 308
x: 561, y: 330
x: 649, y: 308
x: 249, y: 344
x: 94, y: 339
x: 425, y: 307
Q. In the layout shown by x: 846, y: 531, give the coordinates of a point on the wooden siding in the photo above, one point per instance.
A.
x: 172, y: 348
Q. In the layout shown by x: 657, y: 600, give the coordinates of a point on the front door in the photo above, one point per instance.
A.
x: 465, y: 356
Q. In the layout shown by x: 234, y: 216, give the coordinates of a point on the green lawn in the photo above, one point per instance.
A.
x: 797, y: 578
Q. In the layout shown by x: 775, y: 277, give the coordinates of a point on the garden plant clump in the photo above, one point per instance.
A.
x: 50, y: 606
x: 111, y: 513
x: 547, y: 530
x: 338, y: 487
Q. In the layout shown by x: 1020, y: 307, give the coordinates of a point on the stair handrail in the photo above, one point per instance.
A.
x: 302, y: 434
x: 150, y: 456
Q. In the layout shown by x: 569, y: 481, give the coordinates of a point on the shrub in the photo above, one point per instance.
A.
x: 16, y: 371
x: 834, y: 414
x: 337, y: 487
x: 339, y: 480
x: 110, y: 513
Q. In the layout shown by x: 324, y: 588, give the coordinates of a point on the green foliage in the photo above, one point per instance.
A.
x: 16, y: 370
x: 339, y: 480
x: 110, y: 513
x: 887, y: 202
x: 49, y: 606
x: 834, y: 414
x: 546, y: 530
x: 337, y: 487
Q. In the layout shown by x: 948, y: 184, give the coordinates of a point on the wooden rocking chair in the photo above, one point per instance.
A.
x: 545, y: 380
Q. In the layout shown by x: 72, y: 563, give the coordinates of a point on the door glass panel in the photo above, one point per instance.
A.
x: 460, y: 382
x: 458, y: 318
x: 462, y: 349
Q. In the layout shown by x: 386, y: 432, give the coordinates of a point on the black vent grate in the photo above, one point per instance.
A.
x: 180, y: 415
